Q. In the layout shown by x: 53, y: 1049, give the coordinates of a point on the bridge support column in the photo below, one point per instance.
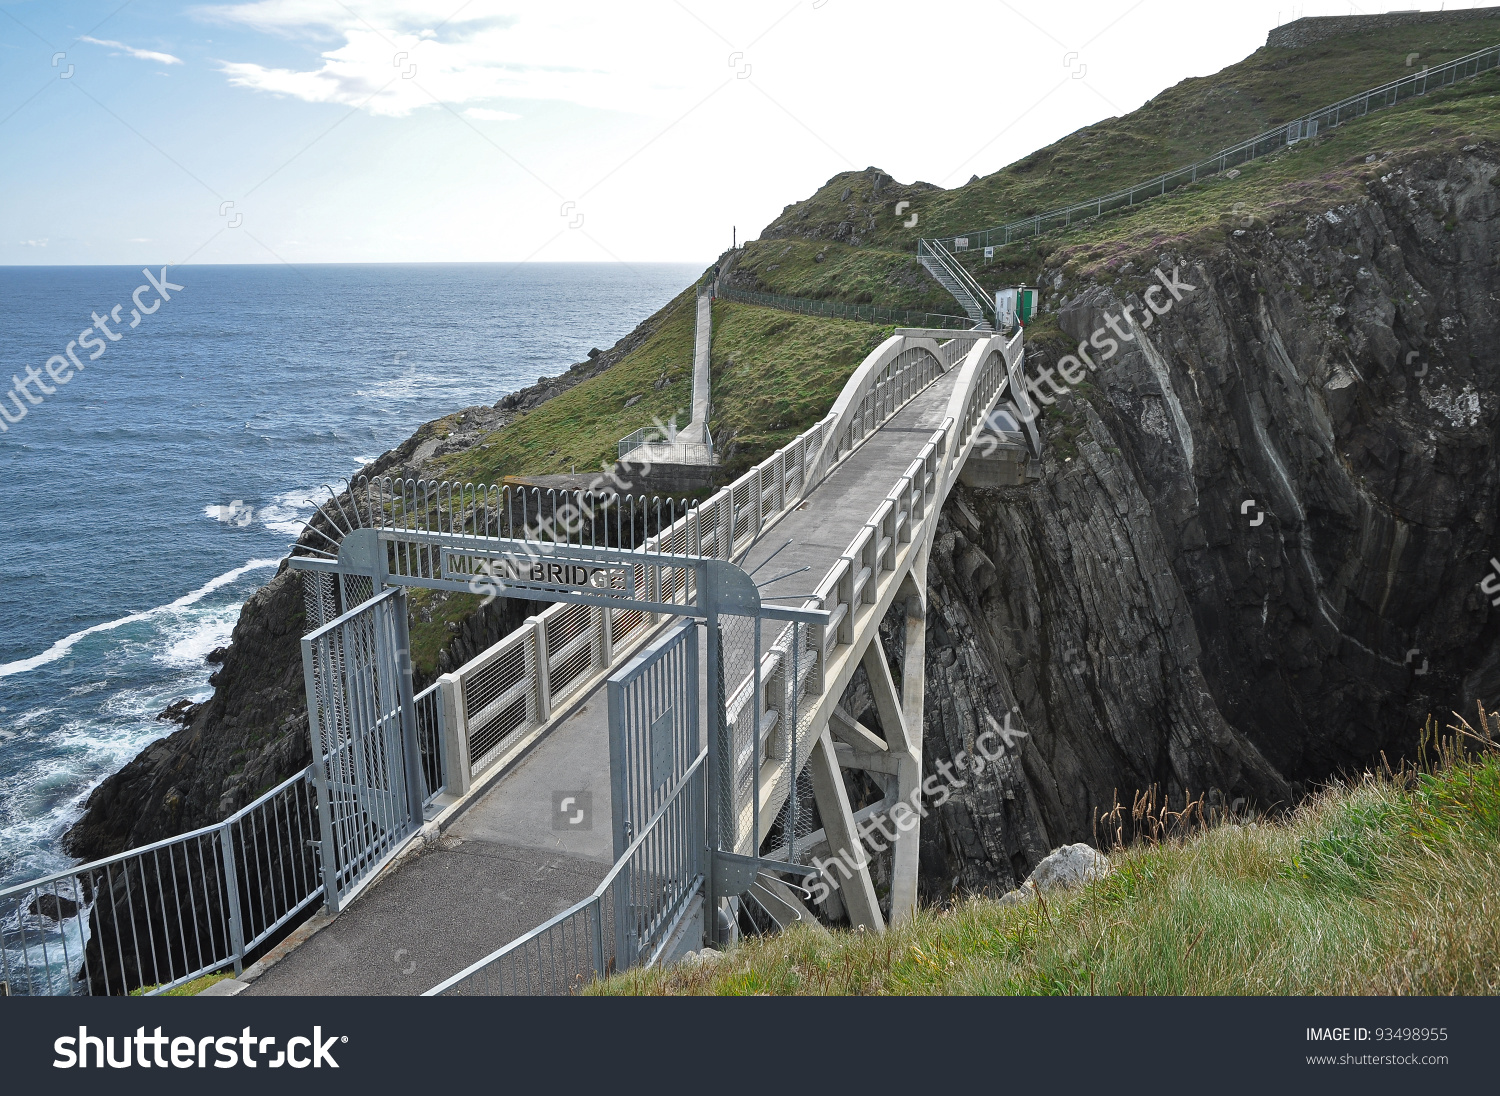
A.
x: 901, y: 717
x: 905, y: 858
x: 849, y: 866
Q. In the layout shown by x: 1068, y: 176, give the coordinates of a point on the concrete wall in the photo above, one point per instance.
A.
x: 1304, y: 32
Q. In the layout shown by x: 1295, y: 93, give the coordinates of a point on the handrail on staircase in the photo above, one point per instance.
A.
x: 966, y: 281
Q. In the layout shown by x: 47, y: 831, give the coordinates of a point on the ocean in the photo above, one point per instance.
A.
x: 142, y: 501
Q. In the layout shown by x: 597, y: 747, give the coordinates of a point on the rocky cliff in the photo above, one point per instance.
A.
x: 1253, y: 559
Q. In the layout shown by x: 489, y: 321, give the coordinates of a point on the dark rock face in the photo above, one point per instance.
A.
x: 1130, y: 612
x: 52, y: 906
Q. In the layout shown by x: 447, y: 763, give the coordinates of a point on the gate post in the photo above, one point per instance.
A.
x: 411, y: 749
x: 320, y: 782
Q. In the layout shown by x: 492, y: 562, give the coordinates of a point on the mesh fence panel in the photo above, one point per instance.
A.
x: 500, y: 699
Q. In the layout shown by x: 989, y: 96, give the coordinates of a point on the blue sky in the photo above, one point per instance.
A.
x: 437, y: 130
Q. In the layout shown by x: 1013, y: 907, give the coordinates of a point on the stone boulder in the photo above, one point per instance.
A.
x: 1069, y: 866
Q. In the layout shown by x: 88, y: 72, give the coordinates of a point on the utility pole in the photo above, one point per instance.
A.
x: 734, y: 236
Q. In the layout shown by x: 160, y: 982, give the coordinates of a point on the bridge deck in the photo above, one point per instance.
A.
x: 501, y: 868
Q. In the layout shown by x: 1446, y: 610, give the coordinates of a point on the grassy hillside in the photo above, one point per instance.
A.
x: 776, y: 373
x: 1387, y: 885
x: 1200, y: 116
x: 583, y: 425
x: 868, y: 254
x: 1279, y: 190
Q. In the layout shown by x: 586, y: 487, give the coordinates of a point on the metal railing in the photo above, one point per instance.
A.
x: 885, y: 381
x: 637, y: 438
x: 628, y: 918
x: 990, y: 368
x: 953, y: 276
x: 1262, y: 144
x: 163, y: 914
x: 868, y: 313
x: 511, y: 690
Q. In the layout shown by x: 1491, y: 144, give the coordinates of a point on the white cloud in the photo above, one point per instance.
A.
x: 396, y: 56
x: 33, y: 243
x: 485, y: 114
x: 142, y: 54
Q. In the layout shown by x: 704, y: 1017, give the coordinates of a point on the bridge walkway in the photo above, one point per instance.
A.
x: 501, y: 868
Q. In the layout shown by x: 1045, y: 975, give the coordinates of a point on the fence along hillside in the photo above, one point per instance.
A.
x: 1262, y: 144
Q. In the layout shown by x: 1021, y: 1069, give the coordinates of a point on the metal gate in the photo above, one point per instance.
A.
x: 653, y: 729
x: 366, y: 761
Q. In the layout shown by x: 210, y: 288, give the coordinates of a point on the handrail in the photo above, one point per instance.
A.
x: 957, y: 271
x: 1277, y: 137
x: 851, y: 402
x: 201, y: 831
x: 986, y: 373
x: 163, y: 913
x: 686, y: 784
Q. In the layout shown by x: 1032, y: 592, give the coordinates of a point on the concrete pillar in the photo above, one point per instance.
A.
x: 849, y: 867
x: 906, y: 856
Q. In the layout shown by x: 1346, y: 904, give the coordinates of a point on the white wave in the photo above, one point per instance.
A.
x: 62, y: 646
x: 288, y: 512
x: 203, y: 631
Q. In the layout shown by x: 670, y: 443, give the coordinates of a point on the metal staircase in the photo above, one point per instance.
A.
x: 951, y: 275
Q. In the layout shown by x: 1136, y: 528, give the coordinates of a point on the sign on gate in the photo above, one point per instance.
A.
x: 364, y: 737
x: 518, y: 576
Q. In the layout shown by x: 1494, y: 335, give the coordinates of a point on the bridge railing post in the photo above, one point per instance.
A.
x: 457, y: 765
x: 537, y: 641
x: 844, y: 585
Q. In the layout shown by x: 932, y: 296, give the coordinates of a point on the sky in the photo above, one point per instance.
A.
x: 309, y: 131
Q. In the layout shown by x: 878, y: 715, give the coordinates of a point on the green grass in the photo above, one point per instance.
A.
x: 776, y: 373
x: 1279, y: 191
x: 1199, y: 116
x: 855, y: 275
x: 1388, y: 884
x: 582, y: 426
x: 773, y: 375
x: 188, y: 989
